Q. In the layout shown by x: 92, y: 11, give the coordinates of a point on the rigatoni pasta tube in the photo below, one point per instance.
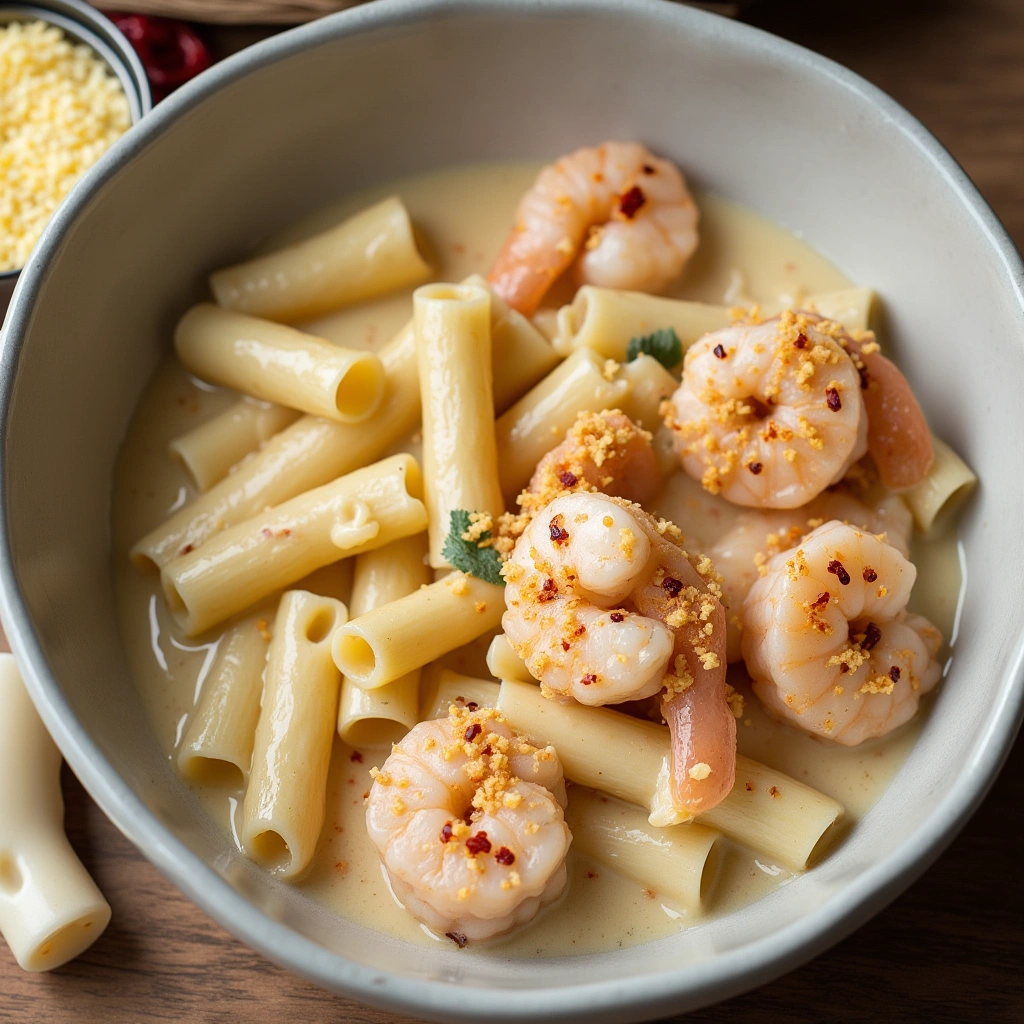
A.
x: 850, y: 307
x: 367, y: 255
x: 673, y: 863
x: 441, y: 687
x: 504, y: 663
x: 313, y: 451
x: 406, y: 634
x: 460, y: 460
x: 279, y: 364
x: 934, y: 500
x: 649, y: 383
x: 219, y: 738
x: 387, y: 713
x: 50, y: 909
x: 539, y: 420
x: 605, y: 319
x: 232, y: 571
x: 629, y: 758
x: 283, y: 810
x: 208, y: 451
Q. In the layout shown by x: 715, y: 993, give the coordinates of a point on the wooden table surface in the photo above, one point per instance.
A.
x: 951, y: 948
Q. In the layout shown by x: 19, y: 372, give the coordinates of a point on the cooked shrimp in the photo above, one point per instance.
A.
x: 828, y: 641
x: 604, y: 607
x: 628, y: 210
x: 741, y: 554
x: 769, y: 415
x: 467, y: 819
x: 603, y: 451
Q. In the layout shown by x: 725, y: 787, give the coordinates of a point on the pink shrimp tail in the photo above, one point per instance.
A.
x: 520, y: 275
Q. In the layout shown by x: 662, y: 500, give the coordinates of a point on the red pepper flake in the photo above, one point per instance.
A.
x: 472, y: 731
x: 836, y: 568
x: 775, y: 792
x: 801, y: 341
x: 755, y: 467
x: 446, y: 832
x: 565, y: 645
x: 648, y: 169
x: 558, y: 532
x: 749, y: 786
x: 549, y: 591
x: 894, y: 673
x: 580, y: 630
x: 822, y: 600
x: 591, y: 874
x: 871, y: 637
x: 869, y: 574
x: 486, y: 752
x: 478, y: 843
x: 567, y: 479
x: 616, y: 616
x: 186, y: 549
x: 589, y: 679
x: 650, y: 893
x: 672, y: 585
x: 472, y: 706
x: 458, y: 938
x: 719, y: 351
x: 832, y: 398
x: 505, y: 856
x: 843, y: 668
x: 356, y: 756
x: 631, y: 201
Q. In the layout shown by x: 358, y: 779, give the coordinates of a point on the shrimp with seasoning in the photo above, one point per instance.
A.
x: 741, y: 554
x: 828, y: 641
x: 768, y: 415
x: 604, y: 606
x: 629, y: 211
x: 468, y: 820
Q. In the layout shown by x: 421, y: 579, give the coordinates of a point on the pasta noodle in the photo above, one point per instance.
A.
x: 540, y: 419
x: 649, y: 383
x: 50, y: 909
x: 629, y: 758
x: 460, y: 460
x: 396, y: 638
x: 442, y: 687
x: 604, y: 319
x: 937, y: 498
x: 504, y: 663
x: 209, y: 451
x: 385, y: 714
x: 284, y: 803
x: 217, y: 745
x: 367, y: 255
x: 358, y: 512
x: 279, y: 364
x: 850, y: 307
x: 676, y: 864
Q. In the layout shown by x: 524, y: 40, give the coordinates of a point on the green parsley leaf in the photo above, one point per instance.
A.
x: 663, y: 345
x: 484, y: 563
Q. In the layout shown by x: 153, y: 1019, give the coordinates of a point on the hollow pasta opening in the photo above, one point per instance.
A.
x: 212, y: 771
x: 709, y: 873
x: 355, y: 657
x: 321, y: 626
x: 66, y: 942
x: 374, y: 732
x: 359, y: 391
x: 270, y: 850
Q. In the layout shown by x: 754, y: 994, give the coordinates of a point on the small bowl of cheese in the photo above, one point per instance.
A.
x: 72, y: 86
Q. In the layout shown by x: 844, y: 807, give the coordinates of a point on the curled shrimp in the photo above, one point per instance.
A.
x: 467, y: 819
x: 828, y: 641
x: 741, y: 554
x: 769, y: 415
x: 603, y: 451
x: 629, y: 211
x: 604, y: 606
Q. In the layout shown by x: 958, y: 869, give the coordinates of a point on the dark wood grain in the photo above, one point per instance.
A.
x: 950, y: 949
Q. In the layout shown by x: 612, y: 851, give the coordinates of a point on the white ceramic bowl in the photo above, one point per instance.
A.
x: 401, y: 86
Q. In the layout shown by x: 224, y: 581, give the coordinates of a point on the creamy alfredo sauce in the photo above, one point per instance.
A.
x: 464, y: 215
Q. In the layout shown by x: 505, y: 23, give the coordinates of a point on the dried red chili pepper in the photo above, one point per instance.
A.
x: 170, y: 50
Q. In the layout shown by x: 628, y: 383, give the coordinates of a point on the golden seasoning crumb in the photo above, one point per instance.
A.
x: 481, y: 606
x: 700, y: 771
x: 608, y: 522
x: 610, y: 370
x: 463, y: 893
x: 882, y: 591
x: 403, y: 783
x: 774, y: 791
x: 398, y: 806
x: 789, y: 454
x: 627, y: 542
x: 838, y: 690
x: 381, y: 778
x: 264, y: 630
x: 735, y: 700
x: 457, y: 584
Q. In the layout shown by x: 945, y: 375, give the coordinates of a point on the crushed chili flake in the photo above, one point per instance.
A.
x: 894, y: 673
x: 832, y: 398
x: 567, y: 479
x: 591, y: 874
x: 478, y: 843
x: 565, y: 645
x: 774, y: 791
x: 801, y: 341
x: 871, y: 636
x: 458, y: 938
x: 719, y: 350
x: 631, y: 201
x: 869, y: 574
x: 505, y: 856
x: 472, y: 731
x: 589, y: 679
x: 822, y: 600
x: 672, y: 585
x: 559, y: 534
x: 579, y: 630
x: 755, y: 467
x: 836, y: 568
x: 549, y: 591
x: 446, y: 832
x: 648, y: 169
x: 356, y: 756
x: 472, y: 706
x: 843, y: 668
x: 486, y: 752
x: 749, y: 787
x: 616, y: 616
x: 186, y: 549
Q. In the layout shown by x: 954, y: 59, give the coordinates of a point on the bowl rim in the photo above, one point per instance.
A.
x: 633, y: 998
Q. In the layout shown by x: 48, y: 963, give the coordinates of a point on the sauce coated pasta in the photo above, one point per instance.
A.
x: 680, y: 533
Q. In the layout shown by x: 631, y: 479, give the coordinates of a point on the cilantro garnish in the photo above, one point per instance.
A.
x: 663, y: 345
x: 467, y: 555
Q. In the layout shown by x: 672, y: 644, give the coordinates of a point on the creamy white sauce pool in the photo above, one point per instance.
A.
x: 464, y: 215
